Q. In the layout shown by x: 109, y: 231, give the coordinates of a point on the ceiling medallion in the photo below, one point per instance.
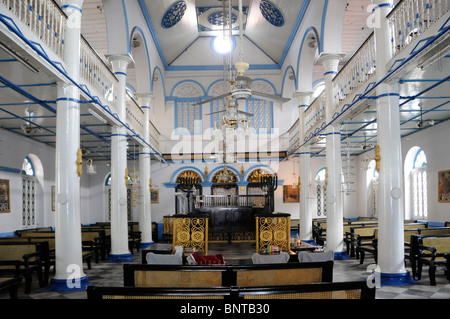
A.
x: 218, y: 19
x: 173, y: 14
x: 271, y: 13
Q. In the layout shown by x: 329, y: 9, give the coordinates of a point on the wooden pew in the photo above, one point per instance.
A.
x: 175, y: 276
x: 430, y: 250
x: 183, y: 276
x: 11, y: 284
x: 359, y: 236
x: 282, y: 274
x: 50, y: 237
x: 21, y: 259
x: 94, y: 292
x: 323, y: 290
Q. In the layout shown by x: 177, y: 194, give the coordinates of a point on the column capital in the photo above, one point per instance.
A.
x: 330, y: 61
x: 145, y: 98
x: 120, y: 62
x: 299, y: 94
x: 303, y: 97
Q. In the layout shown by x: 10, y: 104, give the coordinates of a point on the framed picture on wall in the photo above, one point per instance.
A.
x: 4, y: 196
x: 291, y: 194
x: 53, y: 198
x: 154, y: 196
x: 444, y: 186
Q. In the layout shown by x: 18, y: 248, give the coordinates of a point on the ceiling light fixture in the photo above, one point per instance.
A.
x: 222, y: 44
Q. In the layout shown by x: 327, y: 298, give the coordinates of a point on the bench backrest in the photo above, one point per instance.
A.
x: 441, y: 243
x: 38, y: 234
x: 91, y: 235
x: 138, y: 275
x: 283, y: 274
x: 414, y: 225
x: 94, y: 292
x: 325, y: 290
x: 364, y: 230
x: 144, y: 275
x: 49, y: 240
x: 434, y: 231
x: 408, y: 232
x: 16, y: 250
x: 106, y: 230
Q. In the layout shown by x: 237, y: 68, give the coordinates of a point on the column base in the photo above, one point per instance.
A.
x: 120, y: 258
x: 341, y: 255
x: 69, y: 284
x: 145, y: 245
x: 403, y: 279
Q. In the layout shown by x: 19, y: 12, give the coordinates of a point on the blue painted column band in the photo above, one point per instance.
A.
x: 382, y: 5
x: 341, y: 255
x: 403, y: 279
x: 67, y: 6
x: 120, y: 258
x: 69, y: 285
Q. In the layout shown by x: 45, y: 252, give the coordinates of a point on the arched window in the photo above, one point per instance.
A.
x: 372, y: 189
x: 321, y: 190
x: 416, y: 200
x: 129, y: 197
x: 27, y: 167
x: 28, y: 194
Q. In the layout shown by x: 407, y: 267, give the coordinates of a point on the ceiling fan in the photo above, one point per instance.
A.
x: 241, y: 85
x: 241, y: 88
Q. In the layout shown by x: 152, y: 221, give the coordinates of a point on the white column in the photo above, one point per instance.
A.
x: 305, y: 213
x: 145, y: 211
x: 390, y: 186
x: 119, y: 220
x: 335, y: 227
x: 68, y: 251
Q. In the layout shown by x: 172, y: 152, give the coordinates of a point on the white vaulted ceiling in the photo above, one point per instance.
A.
x: 186, y: 46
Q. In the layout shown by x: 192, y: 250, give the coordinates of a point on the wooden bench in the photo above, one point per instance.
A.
x: 357, y: 237
x: 323, y: 290
x: 430, y: 250
x: 447, y: 266
x: 37, y: 236
x: 21, y: 259
x: 175, y: 276
x: 282, y: 274
x: 11, y: 284
x: 363, y: 240
x: 183, y: 276
x: 94, y: 292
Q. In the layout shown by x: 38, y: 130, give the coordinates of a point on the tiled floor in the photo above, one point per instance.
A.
x: 110, y: 274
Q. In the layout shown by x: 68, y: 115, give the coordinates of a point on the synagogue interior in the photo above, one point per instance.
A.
x: 224, y: 149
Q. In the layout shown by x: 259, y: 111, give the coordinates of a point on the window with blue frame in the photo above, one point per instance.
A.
x: 188, y: 116
x: 27, y: 167
x: 262, y: 119
x: 419, y: 187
